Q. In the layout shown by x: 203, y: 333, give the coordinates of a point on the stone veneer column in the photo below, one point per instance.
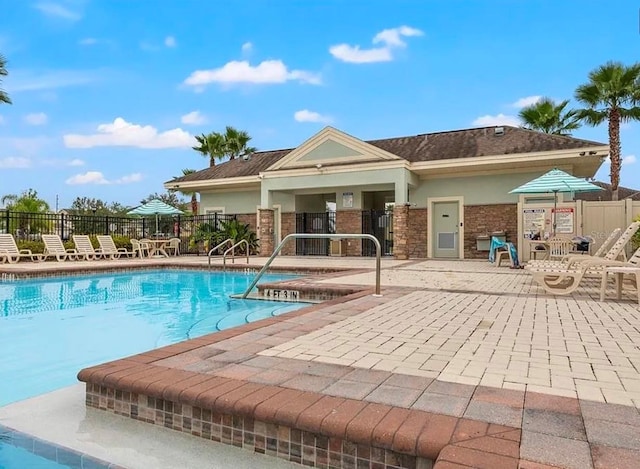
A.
x: 401, y: 231
x: 266, y: 232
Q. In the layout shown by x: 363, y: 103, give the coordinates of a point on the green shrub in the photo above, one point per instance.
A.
x: 37, y: 247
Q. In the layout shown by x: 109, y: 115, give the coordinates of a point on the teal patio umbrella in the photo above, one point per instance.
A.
x: 155, y: 207
x: 555, y: 181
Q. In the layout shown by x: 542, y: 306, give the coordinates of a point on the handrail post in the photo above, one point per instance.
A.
x: 277, y: 250
x: 232, y: 249
x: 228, y: 240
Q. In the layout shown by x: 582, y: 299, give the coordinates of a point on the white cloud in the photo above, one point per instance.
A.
x: 57, y: 10
x: 36, y: 118
x: 96, y: 177
x: 170, y: 41
x: 500, y: 119
x: 88, y: 41
x: 526, y: 101
x: 267, y: 72
x: 389, y: 38
x: 59, y: 163
x: 629, y: 159
x: 76, y: 162
x: 247, y: 47
x: 310, y: 116
x: 129, y: 178
x: 90, y: 177
x: 125, y: 134
x: 193, y: 118
x: 15, y: 162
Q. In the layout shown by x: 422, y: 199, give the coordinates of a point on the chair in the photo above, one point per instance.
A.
x: 108, y: 248
x: 84, y: 248
x: 563, y: 281
x: 53, y: 247
x: 571, y: 258
x: 559, y: 247
x: 174, y: 246
x: 140, y: 248
x: 503, y: 252
x: 619, y: 273
x: 9, y: 251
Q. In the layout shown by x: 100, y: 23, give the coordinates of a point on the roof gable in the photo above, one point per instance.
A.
x: 330, y: 147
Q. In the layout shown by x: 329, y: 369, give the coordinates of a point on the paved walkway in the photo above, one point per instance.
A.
x: 465, y: 341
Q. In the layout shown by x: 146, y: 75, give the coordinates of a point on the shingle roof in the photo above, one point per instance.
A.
x: 623, y: 193
x: 467, y: 143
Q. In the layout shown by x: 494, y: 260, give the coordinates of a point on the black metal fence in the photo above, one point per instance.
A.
x: 323, y: 222
x: 378, y: 223
x: 191, y: 230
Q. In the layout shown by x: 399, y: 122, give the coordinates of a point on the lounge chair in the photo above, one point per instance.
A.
x: 9, y: 251
x: 563, y: 281
x: 616, y: 252
x: 108, y: 248
x: 85, y: 248
x: 53, y: 247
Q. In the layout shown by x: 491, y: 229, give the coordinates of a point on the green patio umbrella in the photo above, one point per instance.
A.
x: 155, y: 207
x: 555, y: 181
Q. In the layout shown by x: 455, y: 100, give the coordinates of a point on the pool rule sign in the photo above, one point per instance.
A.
x: 564, y: 219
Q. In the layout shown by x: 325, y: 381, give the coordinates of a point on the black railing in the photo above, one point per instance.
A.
x: 192, y: 230
x: 378, y: 223
x: 314, y: 223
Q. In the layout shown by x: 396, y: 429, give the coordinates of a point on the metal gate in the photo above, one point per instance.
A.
x: 378, y: 223
x: 324, y: 223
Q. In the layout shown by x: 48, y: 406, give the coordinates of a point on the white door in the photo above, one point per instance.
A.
x: 446, y: 229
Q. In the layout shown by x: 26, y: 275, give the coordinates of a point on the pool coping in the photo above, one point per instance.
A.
x: 125, y: 386
x: 51, y: 451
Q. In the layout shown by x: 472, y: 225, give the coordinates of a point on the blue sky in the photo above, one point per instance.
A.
x: 108, y: 95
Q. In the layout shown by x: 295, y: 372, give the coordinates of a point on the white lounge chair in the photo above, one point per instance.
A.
x: 108, y: 248
x: 616, y: 252
x: 85, y: 248
x: 563, y: 281
x: 9, y: 251
x: 53, y: 247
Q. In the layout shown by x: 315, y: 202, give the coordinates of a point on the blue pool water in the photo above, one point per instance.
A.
x: 52, y: 328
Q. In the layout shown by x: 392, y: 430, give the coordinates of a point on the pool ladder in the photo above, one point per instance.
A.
x: 230, y: 249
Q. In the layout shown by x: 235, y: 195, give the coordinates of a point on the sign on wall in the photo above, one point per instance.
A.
x: 564, y: 219
x: 533, y: 220
x: 347, y: 199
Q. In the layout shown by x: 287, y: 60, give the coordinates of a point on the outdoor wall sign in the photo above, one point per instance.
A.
x: 533, y: 220
x: 347, y: 199
x: 564, y: 219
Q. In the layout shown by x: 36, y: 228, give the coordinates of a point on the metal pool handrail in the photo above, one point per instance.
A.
x: 213, y: 249
x: 319, y: 236
x: 232, y: 248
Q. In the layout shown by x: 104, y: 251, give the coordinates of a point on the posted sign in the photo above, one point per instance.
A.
x: 533, y: 220
x: 564, y: 220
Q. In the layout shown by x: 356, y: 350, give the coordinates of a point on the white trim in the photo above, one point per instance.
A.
x: 277, y: 222
x: 366, y: 150
x: 430, y: 235
x: 205, y: 183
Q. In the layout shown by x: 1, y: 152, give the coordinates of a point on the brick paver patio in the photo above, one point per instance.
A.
x: 460, y: 363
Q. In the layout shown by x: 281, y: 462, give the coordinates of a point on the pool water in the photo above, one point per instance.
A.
x: 52, y: 328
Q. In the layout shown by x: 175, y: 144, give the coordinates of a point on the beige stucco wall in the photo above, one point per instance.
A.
x: 478, y: 190
x: 233, y: 202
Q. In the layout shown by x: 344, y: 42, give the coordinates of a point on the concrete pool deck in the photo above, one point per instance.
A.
x: 460, y: 364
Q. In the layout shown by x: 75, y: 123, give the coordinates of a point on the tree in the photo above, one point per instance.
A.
x: 27, y: 201
x: 188, y: 193
x: 211, y: 145
x: 612, y: 95
x: 232, y: 144
x: 169, y: 198
x: 235, y: 143
x: 550, y: 117
x: 4, y: 97
x: 91, y: 206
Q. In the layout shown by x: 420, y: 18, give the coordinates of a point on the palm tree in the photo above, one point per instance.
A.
x: 211, y: 145
x: 193, y: 195
x: 612, y: 95
x: 236, y: 142
x: 4, y: 97
x: 550, y: 117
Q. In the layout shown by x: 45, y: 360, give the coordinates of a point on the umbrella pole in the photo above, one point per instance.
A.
x: 156, y: 224
x: 555, y: 207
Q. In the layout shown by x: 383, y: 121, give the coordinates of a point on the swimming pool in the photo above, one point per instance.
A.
x: 52, y: 328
